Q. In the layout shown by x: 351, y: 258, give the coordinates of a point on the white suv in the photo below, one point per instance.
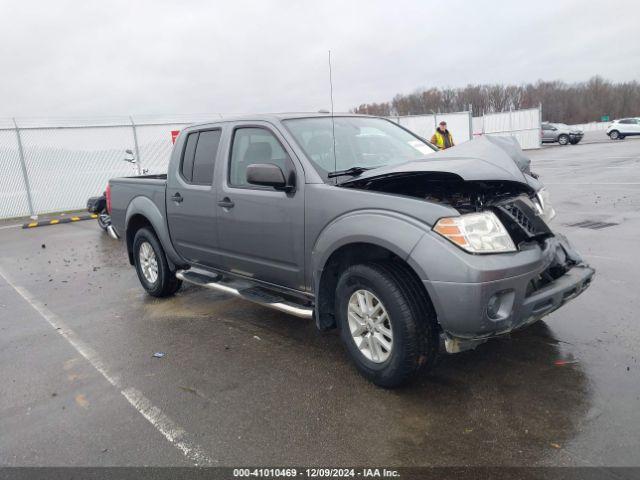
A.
x: 623, y: 128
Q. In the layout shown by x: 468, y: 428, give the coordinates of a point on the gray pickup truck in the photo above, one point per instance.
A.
x: 359, y: 224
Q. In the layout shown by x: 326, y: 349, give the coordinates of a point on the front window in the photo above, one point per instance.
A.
x: 359, y: 142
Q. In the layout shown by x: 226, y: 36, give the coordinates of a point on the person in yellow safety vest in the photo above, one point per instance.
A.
x: 442, y: 138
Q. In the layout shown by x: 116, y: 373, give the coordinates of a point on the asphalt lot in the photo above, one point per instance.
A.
x: 243, y: 385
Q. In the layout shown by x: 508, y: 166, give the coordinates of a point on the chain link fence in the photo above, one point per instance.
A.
x: 55, y: 164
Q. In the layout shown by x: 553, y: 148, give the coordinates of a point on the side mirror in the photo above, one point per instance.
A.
x: 266, y: 174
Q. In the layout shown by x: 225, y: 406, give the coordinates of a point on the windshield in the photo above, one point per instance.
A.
x: 359, y: 142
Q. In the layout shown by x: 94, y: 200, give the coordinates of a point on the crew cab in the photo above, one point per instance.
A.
x: 356, y: 223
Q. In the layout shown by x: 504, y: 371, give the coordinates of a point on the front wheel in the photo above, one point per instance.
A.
x: 614, y: 134
x: 563, y: 139
x: 386, y: 322
x: 152, y: 266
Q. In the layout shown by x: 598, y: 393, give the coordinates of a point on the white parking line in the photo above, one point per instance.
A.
x: 594, y: 183
x: 173, y: 432
x: 10, y: 226
x: 582, y: 167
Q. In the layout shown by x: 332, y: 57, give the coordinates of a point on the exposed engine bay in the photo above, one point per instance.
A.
x: 515, y: 203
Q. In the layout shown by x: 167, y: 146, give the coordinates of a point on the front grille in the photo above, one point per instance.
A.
x: 521, y: 220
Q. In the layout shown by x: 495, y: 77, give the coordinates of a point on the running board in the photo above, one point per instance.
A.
x: 245, y: 290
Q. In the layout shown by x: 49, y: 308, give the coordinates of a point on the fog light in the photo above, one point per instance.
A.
x: 500, y: 304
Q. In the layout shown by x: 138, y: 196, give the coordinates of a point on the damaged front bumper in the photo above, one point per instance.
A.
x: 471, y: 313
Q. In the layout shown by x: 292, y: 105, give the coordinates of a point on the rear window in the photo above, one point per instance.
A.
x: 205, y: 157
x: 199, y: 157
x: 186, y: 169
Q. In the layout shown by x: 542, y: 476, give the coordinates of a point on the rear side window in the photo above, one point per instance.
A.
x: 254, y: 145
x: 199, y: 157
x: 205, y: 157
x: 187, y: 158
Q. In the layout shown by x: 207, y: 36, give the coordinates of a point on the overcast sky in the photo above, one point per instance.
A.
x: 88, y: 57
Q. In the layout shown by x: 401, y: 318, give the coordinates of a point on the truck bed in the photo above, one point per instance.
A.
x: 124, y: 190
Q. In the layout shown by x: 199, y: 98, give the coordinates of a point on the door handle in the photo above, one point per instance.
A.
x: 226, y: 202
x: 177, y: 198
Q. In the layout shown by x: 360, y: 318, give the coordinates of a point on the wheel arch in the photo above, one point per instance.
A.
x: 343, y: 257
x: 142, y: 212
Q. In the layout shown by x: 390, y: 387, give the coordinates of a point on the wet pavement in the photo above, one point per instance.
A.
x: 244, y: 385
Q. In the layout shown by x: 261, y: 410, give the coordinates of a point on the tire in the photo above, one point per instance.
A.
x: 104, y: 220
x: 614, y: 134
x: 574, y: 142
x: 414, y: 340
x: 149, y: 258
x: 563, y: 139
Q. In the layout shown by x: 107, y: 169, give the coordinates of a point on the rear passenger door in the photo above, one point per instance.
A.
x: 191, y: 207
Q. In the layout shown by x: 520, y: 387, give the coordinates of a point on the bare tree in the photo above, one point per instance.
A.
x: 561, y: 102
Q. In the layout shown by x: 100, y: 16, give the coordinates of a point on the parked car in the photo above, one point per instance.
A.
x: 625, y: 127
x: 560, y: 133
x: 98, y: 206
x: 359, y: 224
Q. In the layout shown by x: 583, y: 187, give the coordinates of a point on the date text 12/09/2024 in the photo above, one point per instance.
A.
x: 315, y: 473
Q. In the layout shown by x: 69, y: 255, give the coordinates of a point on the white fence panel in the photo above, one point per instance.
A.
x: 425, y: 125
x: 524, y: 125
x: 458, y: 125
x: 422, y: 125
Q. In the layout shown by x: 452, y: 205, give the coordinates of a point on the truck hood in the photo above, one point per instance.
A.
x: 483, y: 159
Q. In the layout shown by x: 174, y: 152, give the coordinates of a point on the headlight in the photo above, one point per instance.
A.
x: 476, y: 233
x: 543, y: 204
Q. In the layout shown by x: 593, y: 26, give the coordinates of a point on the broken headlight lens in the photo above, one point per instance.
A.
x: 542, y: 202
x: 476, y: 233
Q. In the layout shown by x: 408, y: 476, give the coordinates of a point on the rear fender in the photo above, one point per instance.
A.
x: 144, y: 207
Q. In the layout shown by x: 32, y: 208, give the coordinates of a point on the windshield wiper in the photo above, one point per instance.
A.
x: 353, y: 171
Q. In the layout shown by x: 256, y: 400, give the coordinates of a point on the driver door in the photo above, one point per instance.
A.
x: 261, y: 229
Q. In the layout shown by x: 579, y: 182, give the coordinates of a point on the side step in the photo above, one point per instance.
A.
x: 245, y: 290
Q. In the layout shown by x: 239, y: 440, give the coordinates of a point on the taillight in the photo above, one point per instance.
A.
x: 107, y: 193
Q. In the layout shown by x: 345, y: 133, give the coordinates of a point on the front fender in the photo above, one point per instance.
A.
x: 145, y: 207
x: 394, y: 231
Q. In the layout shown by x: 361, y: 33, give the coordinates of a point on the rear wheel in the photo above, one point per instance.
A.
x: 386, y: 322
x: 152, y: 266
x: 563, y: 139
x: 614, y: 134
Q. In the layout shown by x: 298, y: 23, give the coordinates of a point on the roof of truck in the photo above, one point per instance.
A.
x: 270, y: 117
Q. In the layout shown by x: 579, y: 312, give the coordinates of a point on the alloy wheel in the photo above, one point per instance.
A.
x: 370, y: 326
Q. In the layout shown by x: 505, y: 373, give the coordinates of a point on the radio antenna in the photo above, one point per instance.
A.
x: 333, y: 123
